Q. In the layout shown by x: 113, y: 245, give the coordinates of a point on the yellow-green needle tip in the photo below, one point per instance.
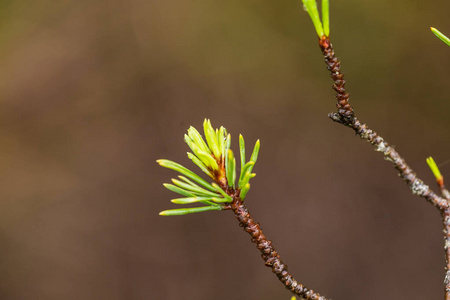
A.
x: 434, y: 168
x: 441, y: 36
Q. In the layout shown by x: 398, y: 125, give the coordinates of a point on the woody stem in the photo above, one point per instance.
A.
x: 269, y: 254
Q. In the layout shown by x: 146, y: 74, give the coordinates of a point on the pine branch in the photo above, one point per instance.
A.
x: 269, y: 254
x: 446, y: 230
x: 345, y: 116
x: 216, y: 159
x: 445, y: 215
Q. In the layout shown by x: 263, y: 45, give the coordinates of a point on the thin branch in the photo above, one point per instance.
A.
x: 446, y: 224
x: 345, y: 116
x: 445, y: 214
x: 269, y: 254
x: 445, y: 193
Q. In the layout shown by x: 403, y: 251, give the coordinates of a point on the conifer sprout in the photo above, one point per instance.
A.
x: 212, y: 154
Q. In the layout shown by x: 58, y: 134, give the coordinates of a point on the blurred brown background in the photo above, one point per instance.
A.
x: 93, y: 92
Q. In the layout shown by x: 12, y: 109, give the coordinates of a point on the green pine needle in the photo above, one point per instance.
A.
x: 222, y: 192
x: 245, y: 170
x: 200, y: 164
x: 255, y: 153
x: 194, y: 188
x: 192, y: 210
x: 326, y: 17
x: 178, y: 190
x: 192, y: 144
x: 227, y: 144
x: 222, y: 200
x: 311, y: 8
x: 208, y: 160
x: 221, y: 138
x: 244, y: 191
x: 441, y: 36
x: 196, y: 137
x: 245, y: 179
x: 204, y: 156
x: 179, y: 168
x: 242, y: 153
x: 211, y: 138
x: 230, y: 168
x: 434, y: 168
x: 189, y: 200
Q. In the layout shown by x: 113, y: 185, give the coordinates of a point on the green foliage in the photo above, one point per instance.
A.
x: 441, y: 36
x: 215, y: 158
x: 326, y: 17
x: 230, y: 165
x: 179, y: 168
x: 322, y: 27
x: 311, y: 8
x: 434, y: 168
x: 185, y: 211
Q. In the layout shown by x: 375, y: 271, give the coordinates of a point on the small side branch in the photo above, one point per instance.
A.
x: 446, y: 231
x: 446, y: 227
x: 345, y: 116
x: 269, y: 254
x: 444, y: 191
x: 417, y: 186
x: 345, y: 110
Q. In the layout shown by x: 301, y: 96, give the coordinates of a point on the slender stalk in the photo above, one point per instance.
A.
x: 345, y: 116
x: 345, y: 110
x: 446, y: 231
x: 269, y: 254
x: 445, y: 193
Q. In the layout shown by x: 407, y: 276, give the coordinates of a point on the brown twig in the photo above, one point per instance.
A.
x: 345, y: 110
x: 268, y: 253
x: 417, y: 186
x: 345, y: 116
x: 445, y: 214
x: 446, y: 224
x: 445, y: 193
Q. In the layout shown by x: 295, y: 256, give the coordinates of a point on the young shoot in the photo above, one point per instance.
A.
x: 212, y: 154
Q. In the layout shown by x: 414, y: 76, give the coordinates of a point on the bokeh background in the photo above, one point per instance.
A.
x: 93, y: 92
